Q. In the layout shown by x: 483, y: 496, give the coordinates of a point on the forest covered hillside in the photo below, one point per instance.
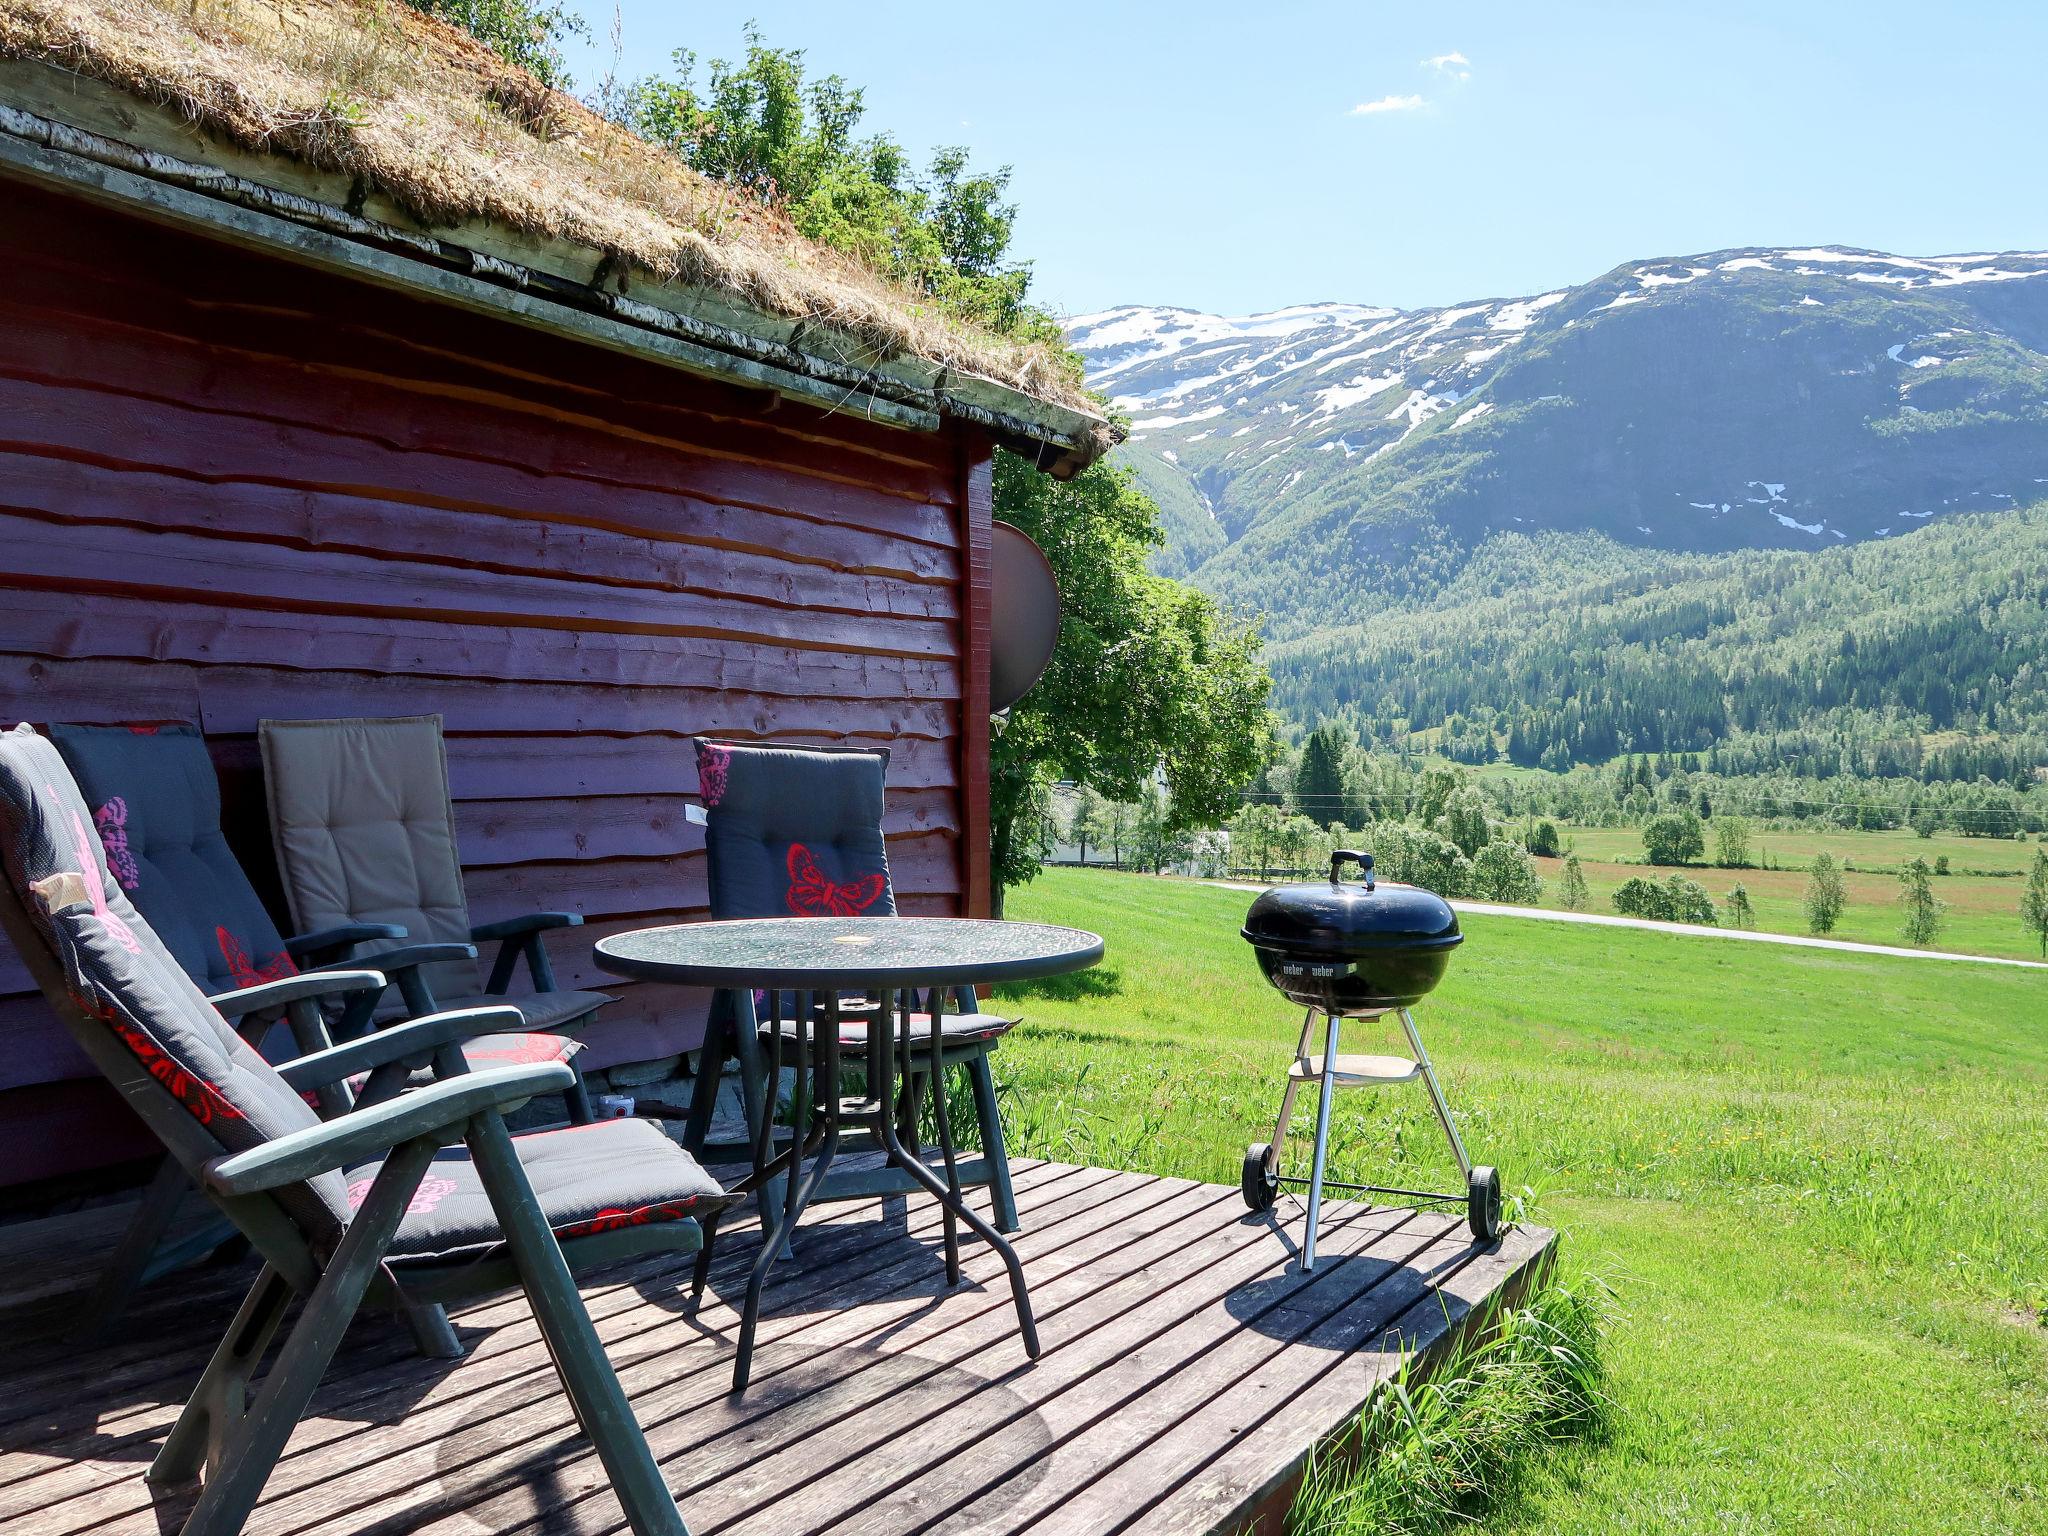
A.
x: 1924, y: 655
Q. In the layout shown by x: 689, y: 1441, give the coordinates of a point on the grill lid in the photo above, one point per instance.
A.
x: 1338, y: 918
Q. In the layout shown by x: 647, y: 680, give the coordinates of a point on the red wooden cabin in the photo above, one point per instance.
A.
x: 270, y: 447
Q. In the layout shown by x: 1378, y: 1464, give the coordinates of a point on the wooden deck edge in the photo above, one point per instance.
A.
x: 1263, y: 1510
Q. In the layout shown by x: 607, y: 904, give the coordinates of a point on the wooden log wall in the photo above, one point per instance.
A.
x: 231, y: 489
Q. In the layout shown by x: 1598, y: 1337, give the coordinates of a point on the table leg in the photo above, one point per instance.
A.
x: 954, y: 1204
x: 819, y: 1144
x: 936, y: 1083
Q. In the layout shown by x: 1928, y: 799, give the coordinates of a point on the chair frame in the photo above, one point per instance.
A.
x: 733, y: 1034
x: 230, y: 1442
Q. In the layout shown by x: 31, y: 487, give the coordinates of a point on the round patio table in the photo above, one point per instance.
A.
x: 803, y: 965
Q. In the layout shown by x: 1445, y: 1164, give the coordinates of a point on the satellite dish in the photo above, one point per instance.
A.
x: 1024, y: 615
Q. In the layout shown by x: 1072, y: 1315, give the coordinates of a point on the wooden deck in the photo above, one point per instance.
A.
x: 1188, y: 1369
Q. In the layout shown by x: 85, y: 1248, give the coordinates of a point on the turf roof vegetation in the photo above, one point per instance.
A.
x: 455, y: 135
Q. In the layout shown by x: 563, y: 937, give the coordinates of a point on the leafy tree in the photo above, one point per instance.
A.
x: 1504, y: 871
x: 1158, y: 838
x: 1542, y: 839
x: 1674, y: 900
x: 1572, y: 892
x: 1418, y: 856
x: 1148, y: 675
x: 1639, y: 896
x: 766, y: 126
x: 1925, y: 820
x: 1731, y: 842
x: 527, y: 32
x: 1296, y: 841
x: 1089, y: 818
x: 2034, y: 900
x: 1254, y: 832
x: 1740, y: 913
x: 1673, y: 838
x: 1119, y: 822
x: 1825, y: 895
x: 1463, y: 820
x: 1923, y: 909
x: 1319, y: 776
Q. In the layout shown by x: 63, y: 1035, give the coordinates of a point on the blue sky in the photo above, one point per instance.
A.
x: 1215, y: 155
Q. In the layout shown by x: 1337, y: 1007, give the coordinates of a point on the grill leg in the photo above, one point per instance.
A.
x: 1436, y: 1094
x: 1322, y: 1153
x: 1276, y: 1149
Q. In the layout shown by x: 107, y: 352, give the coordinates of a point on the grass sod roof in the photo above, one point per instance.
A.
x: 424, y: 125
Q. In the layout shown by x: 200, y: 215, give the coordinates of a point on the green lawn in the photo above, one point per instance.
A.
x: 1816, y: 1177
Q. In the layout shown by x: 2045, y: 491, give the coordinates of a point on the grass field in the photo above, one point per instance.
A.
x: 1816, y: 1178
x: 1982, y: 892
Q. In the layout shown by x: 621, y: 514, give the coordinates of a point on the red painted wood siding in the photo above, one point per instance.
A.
x: 231, y: 488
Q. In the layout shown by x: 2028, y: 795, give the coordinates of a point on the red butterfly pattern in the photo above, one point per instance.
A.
x: 244, y: 970
x: 613, y: 1217
x: 811, y: 894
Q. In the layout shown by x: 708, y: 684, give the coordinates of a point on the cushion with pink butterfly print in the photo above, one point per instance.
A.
x: 795, y: 831
x: 175, y: 1057
x: 156, y: 802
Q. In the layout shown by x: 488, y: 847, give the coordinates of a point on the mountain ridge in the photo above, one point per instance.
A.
x: 1751, y: 397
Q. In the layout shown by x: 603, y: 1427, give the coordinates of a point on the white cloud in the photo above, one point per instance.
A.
x: 1388, y: 104
x: 1452, y: 63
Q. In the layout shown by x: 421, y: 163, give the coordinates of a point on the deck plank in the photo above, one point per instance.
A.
x: 1189, y: 1368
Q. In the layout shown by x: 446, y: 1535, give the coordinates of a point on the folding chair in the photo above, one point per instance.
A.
x: 797, y: 831
x: 365, y: 837
x: 424, y: 1195
x: 155, y: 800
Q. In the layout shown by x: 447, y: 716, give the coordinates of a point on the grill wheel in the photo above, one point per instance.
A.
x: 1259, y: 1186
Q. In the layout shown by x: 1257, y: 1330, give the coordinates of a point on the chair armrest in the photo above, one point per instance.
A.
x: 306, y: 945
x: 375, y: 1128
x: 408, y: 956
x: 292, y: 989
x: 398, y: 1042
x: 521, y: 936
x: 532, y: 922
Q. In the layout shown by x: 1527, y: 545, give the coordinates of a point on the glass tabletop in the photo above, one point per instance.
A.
x: 811, y: 953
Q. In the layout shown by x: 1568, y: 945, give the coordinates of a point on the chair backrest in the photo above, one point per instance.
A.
x: 365, y: 832
x: 135, y: 1011
x: 156, y: 803
x: 794, y: 831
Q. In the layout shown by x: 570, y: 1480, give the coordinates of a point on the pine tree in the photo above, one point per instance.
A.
x: 1319, y: 777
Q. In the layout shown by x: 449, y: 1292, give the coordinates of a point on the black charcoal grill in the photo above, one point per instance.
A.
x: 1356, y: 949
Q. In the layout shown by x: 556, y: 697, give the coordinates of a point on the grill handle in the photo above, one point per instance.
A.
x: 1345, y: 856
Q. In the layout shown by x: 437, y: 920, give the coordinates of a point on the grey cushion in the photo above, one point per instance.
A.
x: 121, y: 976
x: 588, y: 1178
x: 360, y: 814
x: 954, y: 1029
